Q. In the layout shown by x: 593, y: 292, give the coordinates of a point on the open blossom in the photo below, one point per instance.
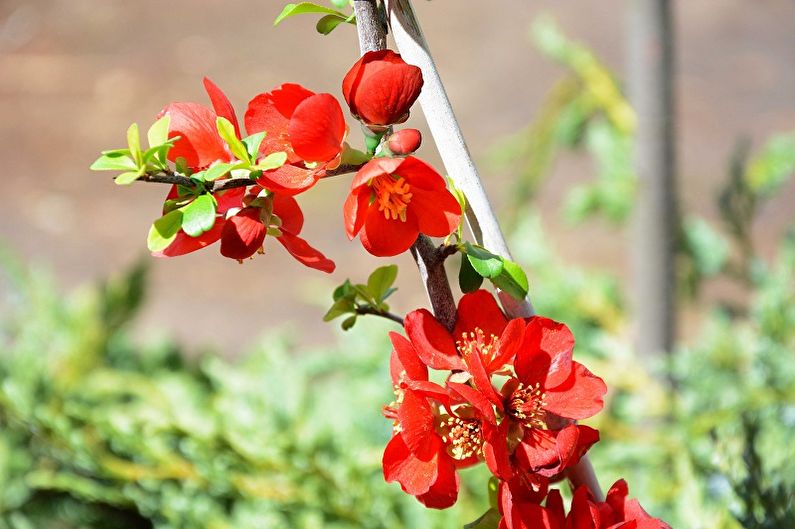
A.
x: 418, y: 456
x: 242, y: 230
x: 393, y: 200
x: 309, y: 127
x: 523, y: 432
x: 380, y: 88
x: 521, y: 510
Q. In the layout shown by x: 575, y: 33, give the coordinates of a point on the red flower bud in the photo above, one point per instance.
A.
x: 380, y: 88
x: 404, y: 142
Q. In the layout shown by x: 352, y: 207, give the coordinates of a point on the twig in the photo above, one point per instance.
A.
x: 372, y: 37
x: 173, y: 178
x: 364, y: 309
x: 458, y: 162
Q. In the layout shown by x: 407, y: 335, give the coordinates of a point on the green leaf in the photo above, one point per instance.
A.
x: 253, y: 143
x: 345, y: 290
x: 380, y: 280
x: 114, y: 161
x: 127, y: 178
x: 348, y: 323
x: 227, y: 131
x: 489, y: 520
x: 484, y: 262
x: 340, y: 3
x: 199, y: 215
x: 512, y: 280
x: 307, y: 7
x: 342, y: 306
x: 328, y: 23
x: 468, y: 278
x: 273, y: 161
x: 352, y: 156
x: 164, y: 231
x: 158, y: 132
x: 134, y: 143
x: 217, y: 171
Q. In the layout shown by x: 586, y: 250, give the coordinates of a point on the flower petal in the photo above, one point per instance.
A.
x: 479, y: 309
x: 199, y: 142
x: 545, y: 354
x: 438, y: 212
x: 184, y: 243
x: 221, y: 104
x: 306, y: 254
x: 430, y: 339
x: 289, y: 179
x: 384, y: 237
x: 578, y: 397
x: 288, y: 210
x: 444, y: 491
x: 355, y: 211
x: 404, y: 363
x: 271, y: 112
x: 415, y: 475
x: 243, y: 234
x: 317, y: 128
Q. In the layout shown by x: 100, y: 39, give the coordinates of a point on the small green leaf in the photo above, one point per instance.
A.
x: 227, y: 131
x: 468, y: 278
x: 512, y: 280
x: 348, y: 323
x: 340, y: 3
x: 253, y: 143
x: 340, y: 307
x: 380, y: 280
x: 127, y: 178
x: 272, y: 161
x: 328, y: 23
x: 114, y: 161
x: 164, y: 231
x: 199, y: 215
x: 307, y: 7
x: 217, y: 171
x: 484, y: 262
x: 345, y: 290
x: 134, y: 143
x: 352, y: 156
x: 158, y: 132
x: 158, y: 153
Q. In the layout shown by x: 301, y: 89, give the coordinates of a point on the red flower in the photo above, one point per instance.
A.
x: 520, y: 505
x: 243, y: 233
x: 616, y: 512
x: 380, y: 88
x: 417, y: 456
x: 393, y: 200
x: 309, y: 127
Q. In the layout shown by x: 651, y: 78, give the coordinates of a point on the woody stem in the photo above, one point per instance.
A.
x: 459, y: 165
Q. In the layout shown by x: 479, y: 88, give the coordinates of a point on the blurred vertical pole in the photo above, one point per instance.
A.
x: 655, y: 222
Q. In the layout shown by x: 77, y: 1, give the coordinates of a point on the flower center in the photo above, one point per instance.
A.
x: 392, y: 196
x: 526, y: 405
x: 464, y: 435
x: 477, y: 342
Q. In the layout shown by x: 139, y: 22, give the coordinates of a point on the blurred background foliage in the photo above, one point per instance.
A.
x: 100, y: 429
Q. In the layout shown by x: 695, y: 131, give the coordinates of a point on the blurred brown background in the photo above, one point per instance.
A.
x: 75, y: 73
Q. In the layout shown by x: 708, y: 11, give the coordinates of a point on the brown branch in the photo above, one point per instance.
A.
x: 173, y: 178
x: 365, y: 309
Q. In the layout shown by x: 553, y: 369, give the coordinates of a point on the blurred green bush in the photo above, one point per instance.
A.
x: 99, y: 431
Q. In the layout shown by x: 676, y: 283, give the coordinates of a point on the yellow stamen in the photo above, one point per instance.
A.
x: 392, y: 196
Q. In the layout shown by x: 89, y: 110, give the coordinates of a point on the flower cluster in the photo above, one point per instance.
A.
x: 289, y: 139
x: 510, y: 398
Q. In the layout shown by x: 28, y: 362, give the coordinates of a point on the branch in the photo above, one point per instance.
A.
x: 372, y: 37
x: 458, y: 162
x: 173, y: 178
x: 362, y: 310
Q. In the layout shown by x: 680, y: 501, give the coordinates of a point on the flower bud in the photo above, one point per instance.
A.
x: 404, y: 142
x: 380, y: 88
